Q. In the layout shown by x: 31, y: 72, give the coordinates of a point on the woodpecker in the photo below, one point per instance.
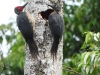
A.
x: 26, y: 24
x: 56, y: 24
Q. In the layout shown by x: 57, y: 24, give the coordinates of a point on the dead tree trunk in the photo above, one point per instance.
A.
x: 43, y: 38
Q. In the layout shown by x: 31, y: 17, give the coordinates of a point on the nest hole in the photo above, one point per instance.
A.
x: 45, y: 14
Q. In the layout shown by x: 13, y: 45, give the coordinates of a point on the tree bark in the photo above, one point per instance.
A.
x: 44, y: 65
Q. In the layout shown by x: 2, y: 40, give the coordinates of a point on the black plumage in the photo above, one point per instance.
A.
x: 56, y: 24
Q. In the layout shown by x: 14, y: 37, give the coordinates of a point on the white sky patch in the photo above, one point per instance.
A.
x: 70, y: 2
x: 7, y: 10
x: 6, y: 13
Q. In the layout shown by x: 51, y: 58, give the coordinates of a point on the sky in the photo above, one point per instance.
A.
x: 6, y: 15
x: 7, y: 10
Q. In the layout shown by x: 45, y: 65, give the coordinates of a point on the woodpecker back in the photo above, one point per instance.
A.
x: 24, y: 25
x: 56, y: 24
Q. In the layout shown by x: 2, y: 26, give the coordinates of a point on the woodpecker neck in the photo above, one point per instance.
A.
x: 19, y: 13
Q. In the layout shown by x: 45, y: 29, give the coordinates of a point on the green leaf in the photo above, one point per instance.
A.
x: 87, y: 69
x: 1, y: 39
x: 80, y: 65
x: 91, y: 69
x: 92, y: 57
x: 95, y: 37
x: 84, y: 68
x: 88, y: 36
x: 87, y: 54
x: 96, y: 60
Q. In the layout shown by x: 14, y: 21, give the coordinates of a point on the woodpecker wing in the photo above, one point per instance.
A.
x: 56, y: 24
x: 25, y: 26
x: 25, y: 23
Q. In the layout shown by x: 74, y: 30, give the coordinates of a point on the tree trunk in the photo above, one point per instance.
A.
x: 43, y: 38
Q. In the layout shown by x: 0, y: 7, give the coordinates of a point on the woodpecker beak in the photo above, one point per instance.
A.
x: 50, y: 5
x: 25, y: 5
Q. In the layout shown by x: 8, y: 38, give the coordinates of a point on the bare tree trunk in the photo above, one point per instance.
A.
x: 43, y: 38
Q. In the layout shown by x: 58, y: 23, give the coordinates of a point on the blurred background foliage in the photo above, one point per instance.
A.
x: 81, y: 41
x: 15, y: 57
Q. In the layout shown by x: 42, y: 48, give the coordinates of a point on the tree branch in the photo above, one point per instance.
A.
x: 71, y: 70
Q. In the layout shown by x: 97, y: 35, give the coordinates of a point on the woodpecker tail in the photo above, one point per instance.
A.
x: 33, y: 48
x: 54, y: 48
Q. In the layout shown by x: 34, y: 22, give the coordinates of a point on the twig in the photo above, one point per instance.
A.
x: 71, y: 70
x: 4, y: 66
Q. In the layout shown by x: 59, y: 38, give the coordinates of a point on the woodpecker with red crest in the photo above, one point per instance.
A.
x: 56, y: 24
x: 26, y: 25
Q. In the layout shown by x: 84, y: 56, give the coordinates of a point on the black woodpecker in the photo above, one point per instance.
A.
x: 25, y: 24
x: 56, y: 24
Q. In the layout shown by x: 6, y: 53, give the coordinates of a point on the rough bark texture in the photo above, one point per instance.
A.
x: 43, y: 38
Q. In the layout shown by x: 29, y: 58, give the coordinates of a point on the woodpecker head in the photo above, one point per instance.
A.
x: 55, y: 7
x: 19, y: 9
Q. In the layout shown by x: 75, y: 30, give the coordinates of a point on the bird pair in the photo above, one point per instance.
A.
x: 25, y: 25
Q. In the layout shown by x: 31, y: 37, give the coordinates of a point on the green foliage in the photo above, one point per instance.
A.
x: 70, y: 65
x: 73, y: 37
x: 83, y: 51
x: 92, y: 41
x: 90, y: 59
x: 86, y: 63
x: 79, y: 19
x: 89, y: 63
x: 15, y: 58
